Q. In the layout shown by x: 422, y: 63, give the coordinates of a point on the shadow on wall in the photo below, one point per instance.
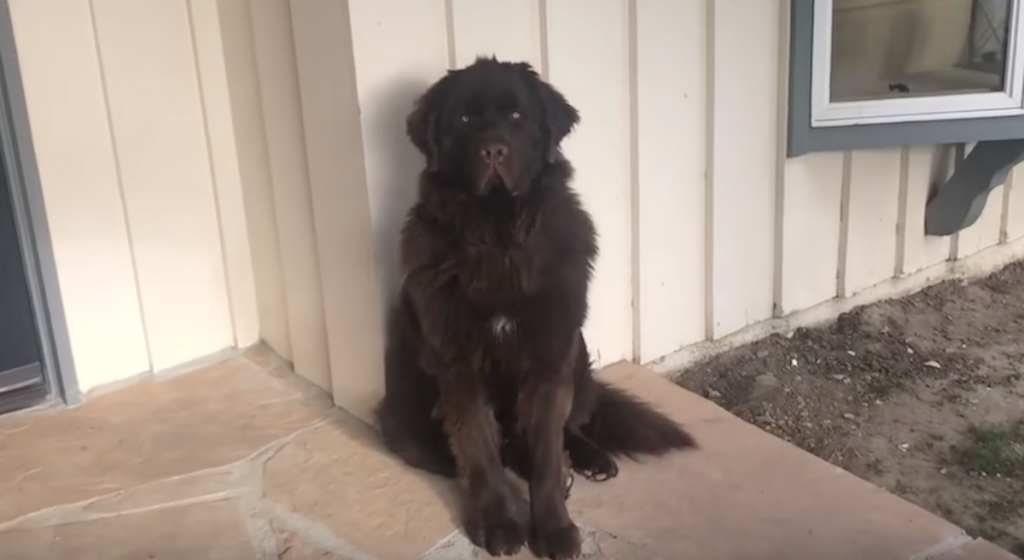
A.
x: 393, y: 166
x: 942, y: 167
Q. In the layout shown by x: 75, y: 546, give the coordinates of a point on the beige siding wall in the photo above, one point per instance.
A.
x: 671, y: 128
x: 331, y: 115
x: 706, y: 228
x: 780, y: 235
x: 124, y: 157
x: 203, y: 177
x: 291, y: 84
x: 215, y: 172
x: 83, y: 195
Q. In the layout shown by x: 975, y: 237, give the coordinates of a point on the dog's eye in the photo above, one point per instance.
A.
x: 515, y: 116
x: 464, y: 119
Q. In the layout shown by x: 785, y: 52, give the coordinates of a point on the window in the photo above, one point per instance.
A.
x: 870, y: 73
x: 883, y: 61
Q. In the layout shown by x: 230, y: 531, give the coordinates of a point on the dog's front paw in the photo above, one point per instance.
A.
x: 562, y: 543
x: 499, y: 524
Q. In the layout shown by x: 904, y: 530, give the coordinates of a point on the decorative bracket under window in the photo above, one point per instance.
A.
x: 959, y: 201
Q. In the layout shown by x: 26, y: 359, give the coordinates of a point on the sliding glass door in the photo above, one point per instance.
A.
x: 22, y: 382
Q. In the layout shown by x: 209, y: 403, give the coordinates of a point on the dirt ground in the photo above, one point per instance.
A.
x: 923, y: 396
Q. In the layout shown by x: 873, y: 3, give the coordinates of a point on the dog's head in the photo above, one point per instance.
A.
x: 491, y: 125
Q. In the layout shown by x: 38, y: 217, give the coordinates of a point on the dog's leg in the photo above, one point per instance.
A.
x: 514, y: 456
x: 543, y: 409
x: 496, y: 516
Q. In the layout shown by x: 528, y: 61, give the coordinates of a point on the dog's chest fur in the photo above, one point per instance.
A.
x: 499, y: 265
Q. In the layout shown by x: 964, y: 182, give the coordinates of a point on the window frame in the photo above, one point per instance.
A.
x: 946, y: 127
x: 824, y: 112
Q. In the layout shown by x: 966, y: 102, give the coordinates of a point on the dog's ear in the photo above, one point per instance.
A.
x: 421, y: 125
x: 559, y: 116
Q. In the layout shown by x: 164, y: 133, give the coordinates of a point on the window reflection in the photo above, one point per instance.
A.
x: 911, y: 48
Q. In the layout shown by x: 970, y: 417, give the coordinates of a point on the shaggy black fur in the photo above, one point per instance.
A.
x: 486, y: 365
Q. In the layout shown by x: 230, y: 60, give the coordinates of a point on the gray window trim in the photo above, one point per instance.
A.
x: 803, y: 139
x: 30, y: 216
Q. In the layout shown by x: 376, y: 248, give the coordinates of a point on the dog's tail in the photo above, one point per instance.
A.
x: 624, y: 425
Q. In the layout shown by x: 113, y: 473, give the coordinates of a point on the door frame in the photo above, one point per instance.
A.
x: 19, y: 163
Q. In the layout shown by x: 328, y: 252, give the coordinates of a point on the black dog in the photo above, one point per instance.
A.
x: 486, y: 365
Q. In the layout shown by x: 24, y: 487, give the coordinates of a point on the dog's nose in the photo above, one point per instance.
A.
x: 494, y: 153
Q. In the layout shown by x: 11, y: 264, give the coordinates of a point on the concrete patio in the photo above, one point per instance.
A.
x: 243, y: 460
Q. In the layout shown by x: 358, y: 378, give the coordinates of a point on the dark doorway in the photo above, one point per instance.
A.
x: 22, y: 381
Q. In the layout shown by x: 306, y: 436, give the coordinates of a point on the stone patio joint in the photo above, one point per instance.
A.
x: 951, y: 543
x: 310, y: 531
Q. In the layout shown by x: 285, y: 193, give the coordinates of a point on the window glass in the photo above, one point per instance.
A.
x: 883, y: 49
